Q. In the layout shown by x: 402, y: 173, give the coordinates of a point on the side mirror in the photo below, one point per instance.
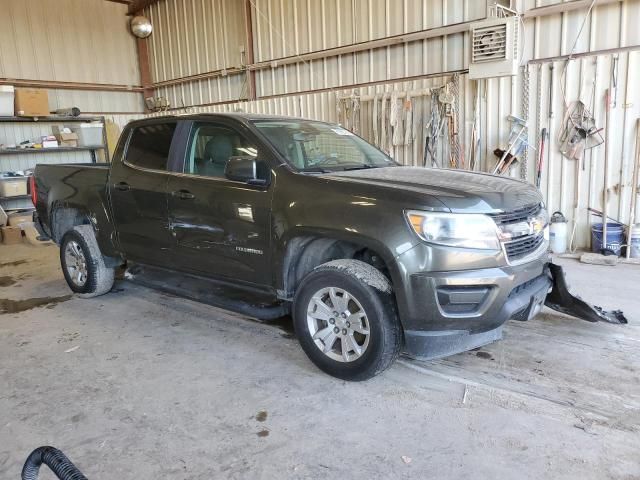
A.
x: 243, y: 169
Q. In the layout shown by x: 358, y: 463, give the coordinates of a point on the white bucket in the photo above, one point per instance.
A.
x: 6, y: 100
x: 633, y: 239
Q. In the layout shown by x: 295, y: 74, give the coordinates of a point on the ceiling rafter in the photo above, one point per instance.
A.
x: 138, y: 5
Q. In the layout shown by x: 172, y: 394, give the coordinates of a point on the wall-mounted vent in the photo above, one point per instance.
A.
x: 494, y: 48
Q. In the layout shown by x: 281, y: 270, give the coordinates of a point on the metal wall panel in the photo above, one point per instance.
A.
x: 219, y: 89
x: 196, y: 36
x: 67, y: 40
x: 293, y: 27
x: 290, y: 27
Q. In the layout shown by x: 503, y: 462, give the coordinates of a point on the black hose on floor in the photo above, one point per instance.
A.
x: 55, y: 460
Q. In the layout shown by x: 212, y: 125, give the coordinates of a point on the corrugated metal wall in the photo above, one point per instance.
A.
x: 292, y: 27
x: 85, y: 41
x: 285, y: 28
x: 195, y: 36
x: 73, y: 41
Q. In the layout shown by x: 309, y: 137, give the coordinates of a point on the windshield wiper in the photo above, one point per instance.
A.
x: 361, y: 167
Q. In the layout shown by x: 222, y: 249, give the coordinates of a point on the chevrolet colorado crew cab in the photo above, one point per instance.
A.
x: 304, y: 217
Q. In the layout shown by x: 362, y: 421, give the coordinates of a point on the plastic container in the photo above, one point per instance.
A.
x: 13, y: 186
x: 614, y: 241
x: 89, y: 134
x: 7, y: 95
x: 558, y: 233
x: 633, y: 239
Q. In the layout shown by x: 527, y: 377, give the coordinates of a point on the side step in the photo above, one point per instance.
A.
x: 561, y: 300
x: 204, y: 290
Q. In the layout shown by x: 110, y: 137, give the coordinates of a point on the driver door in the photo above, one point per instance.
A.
x: 220, y: 227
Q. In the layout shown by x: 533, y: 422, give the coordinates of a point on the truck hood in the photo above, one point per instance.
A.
x: 458, y: 190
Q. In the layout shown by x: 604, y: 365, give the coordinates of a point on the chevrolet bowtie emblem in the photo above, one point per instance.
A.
x: 535, y: 226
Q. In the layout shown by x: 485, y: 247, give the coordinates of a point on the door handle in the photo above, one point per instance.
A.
x: 183, y: 194
x: 123, y: 186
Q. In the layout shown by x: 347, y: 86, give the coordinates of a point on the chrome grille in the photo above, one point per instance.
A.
x: 518, y: 247
x: 523, y: 246
x: 518, y: 215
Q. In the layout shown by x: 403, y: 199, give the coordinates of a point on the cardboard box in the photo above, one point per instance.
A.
x: 11, y: 235
x: 31, y: 102
x: 15, y: 219
x: 49, y: 141
x: 13, y: 186
x: 67, y: 139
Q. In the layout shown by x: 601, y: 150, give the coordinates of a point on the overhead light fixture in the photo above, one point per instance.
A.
x: 141, y: 26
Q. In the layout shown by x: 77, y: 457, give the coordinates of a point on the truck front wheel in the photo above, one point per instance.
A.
x: 82, y: 263
x: 345, y: 319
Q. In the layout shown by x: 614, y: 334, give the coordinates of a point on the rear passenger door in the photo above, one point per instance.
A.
x: 138, y: 187
x: 220, y: 227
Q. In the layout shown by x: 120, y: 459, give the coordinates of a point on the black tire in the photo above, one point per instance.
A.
x: 373, y: 291
x: 99, y: 278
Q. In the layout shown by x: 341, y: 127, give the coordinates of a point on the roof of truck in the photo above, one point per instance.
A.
x: 243, y: 116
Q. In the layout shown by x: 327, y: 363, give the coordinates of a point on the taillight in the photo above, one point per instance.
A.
x: 32, y: 189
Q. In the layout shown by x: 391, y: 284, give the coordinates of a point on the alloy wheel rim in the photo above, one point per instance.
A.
x: 76, y: 263
x: 338, y: 324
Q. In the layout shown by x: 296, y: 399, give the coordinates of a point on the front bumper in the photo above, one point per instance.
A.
x: 448, y: 312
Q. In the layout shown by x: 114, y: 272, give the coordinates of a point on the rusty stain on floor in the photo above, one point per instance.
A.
x: 16, y: 306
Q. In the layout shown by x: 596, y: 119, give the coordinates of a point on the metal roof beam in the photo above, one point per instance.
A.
x: 136, y: 6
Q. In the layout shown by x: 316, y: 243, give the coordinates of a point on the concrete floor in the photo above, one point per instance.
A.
x: 138, y: 384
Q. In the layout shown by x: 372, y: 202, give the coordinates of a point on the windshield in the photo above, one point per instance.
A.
x: 319, y: 147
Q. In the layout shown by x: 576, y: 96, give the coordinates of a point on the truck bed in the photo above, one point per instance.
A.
x: 67, y: 186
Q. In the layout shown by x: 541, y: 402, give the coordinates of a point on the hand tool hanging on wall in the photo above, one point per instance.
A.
x: 474, y: 147
x: 543, y: 139
x: 355, y: 113
x: 384, y: 121
x: 395, y: 117
x: 579, y: 132
x: 433, y: 129
x: 349, y: 112
x: 605, y: 187
x: 409, y: 132
x: 515, y: 144
x: 614, y: 80
x: 455, y: 152
x: 551, y: 99
x: 446, y: 98
x: 376, y: 121
x: 634, y: 188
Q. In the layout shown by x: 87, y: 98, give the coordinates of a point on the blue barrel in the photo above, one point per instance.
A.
x: 615, y: 237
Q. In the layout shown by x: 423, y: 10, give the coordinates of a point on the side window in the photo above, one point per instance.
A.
x: 149, y: 146
x: 211, y: 148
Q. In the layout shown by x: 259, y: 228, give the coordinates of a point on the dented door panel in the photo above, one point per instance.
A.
x: 222, y: 230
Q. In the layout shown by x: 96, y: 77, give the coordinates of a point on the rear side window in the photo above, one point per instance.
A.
x: 149, y: 146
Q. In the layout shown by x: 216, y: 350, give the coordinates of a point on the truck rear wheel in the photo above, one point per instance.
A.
x: 345, y: 319
x: 82, y: 263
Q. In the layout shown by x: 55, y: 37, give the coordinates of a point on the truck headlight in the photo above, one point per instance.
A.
x: 465, y: 230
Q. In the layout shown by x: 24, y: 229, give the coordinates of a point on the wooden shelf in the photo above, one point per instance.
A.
x: 21, y: 151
